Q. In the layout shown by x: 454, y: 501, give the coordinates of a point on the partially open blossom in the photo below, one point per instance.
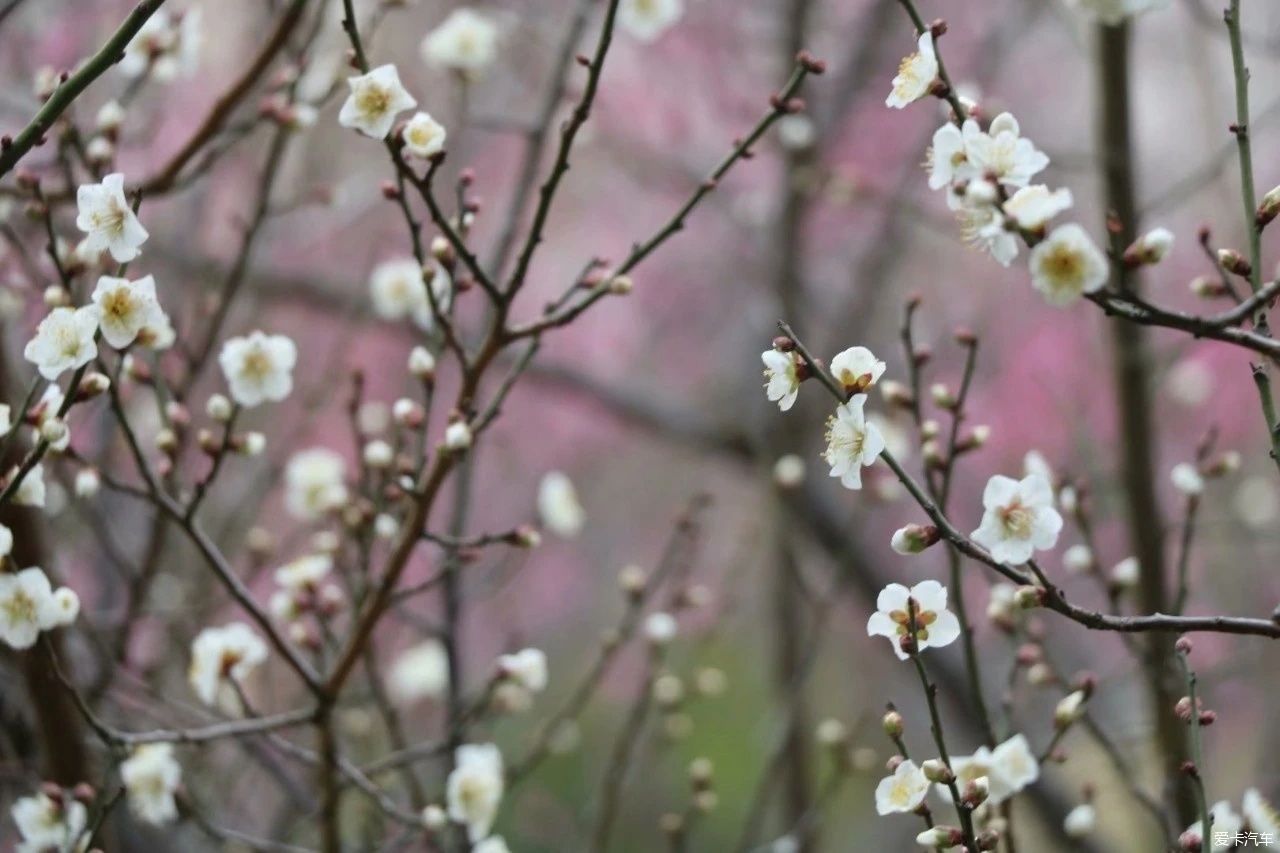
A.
x: 474, y: 788
x: 1080, y: 821
x: 1150, y: 248
x: 47, y: 824
x: 1019, y: 518
x: 109, y: 223
x: 258, y: 367
x: 151, y: 776
x: 27, y: 607
x: 916, y: 74
x: 64, y: 341
x: 857, y: 369
x: 423, y: 136
x: 1031, y: 207
x: 466, y: 41
x: 782, y: 375
x: 125, y: 308
x: 527, y: 667
x: 935, y: 625
x: 1069, y: 709
x: 558, y: 505
x: 903, y: 791
x: 314, y: 483
x: 1067, y: 264
x: 914, y: 538
x: 222, y: 655
x: 376, y: 99
x: 852, y: 442
x: 648, y: 19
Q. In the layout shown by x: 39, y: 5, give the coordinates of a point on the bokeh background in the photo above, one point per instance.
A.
x: 655, y: 398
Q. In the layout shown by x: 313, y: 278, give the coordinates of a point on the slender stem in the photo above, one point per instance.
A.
x: 1197, y: 754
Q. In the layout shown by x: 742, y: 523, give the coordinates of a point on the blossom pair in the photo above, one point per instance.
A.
x: 29, y: 604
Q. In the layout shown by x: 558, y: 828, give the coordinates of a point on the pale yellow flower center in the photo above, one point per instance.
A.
x: 1016, y: 520
x: 256, y: 366
x: 20, y: 608
x: 373, y: 100
x: 1062, y: 266
x: 110, y: 219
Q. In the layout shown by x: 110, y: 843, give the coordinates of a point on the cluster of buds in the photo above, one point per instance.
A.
x: 701, y: 781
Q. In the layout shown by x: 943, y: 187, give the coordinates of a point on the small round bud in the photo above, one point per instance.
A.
x: 893, y: 724
x: 218, y: 408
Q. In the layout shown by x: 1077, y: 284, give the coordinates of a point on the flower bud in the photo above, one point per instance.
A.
x: 1069, y: 709
x: 914, y: 538
x: 1080, y: 821
x: 1029, y: 597
x: 457, y: 436
x: 975, y: 792
x: 1234, y: 262
x: 620, y: 285
x: 940, y: 837
x: 218, y: 408
x: 1269, y: 207
x: 422, y: 364
x: 434, y: 818
x: 88, y: 482
x: 1150, y: 248
x: 1207, y: 287
x: 936, y: 771
x: 832, y: 733
x: 893, y: 724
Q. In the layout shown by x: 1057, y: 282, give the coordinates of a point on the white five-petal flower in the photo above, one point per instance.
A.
x: 376, y: 99
x: 1032, y: 207
x: 222, y: 655
x: 1008, y: 769
x: 314, y: 483
x: 1011, y: 159
x: 1018, y: 519
x: 781, y: 372
x: 1067, y: 264
x: 27, y: 607
x: 108, y: 221
x: 47, y: 824
x: 935, y: 625
x: 852, y: 442
x: 258, y: 367
x: 466, y: 42
x: 64, y: 340
x: 474, y: 788
x: 127, y: 308
x: 423, y: 136
x: 151, y: 775
x: 903, y: 791
x: 916, y: 74
x: 648, y: 19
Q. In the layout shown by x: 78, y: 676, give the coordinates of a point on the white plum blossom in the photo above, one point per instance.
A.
x: 558, y: 505
x: 109, y: 223
x: 376, y: 99
x: 903, y: 791
x: 852, y: 442
x: 222, y: 655
x: 1125, y: 574
x: 27, y: 607
x: 1018, y: 518
x: 948, y: 159
x: 782, y: 377
x: 1067, y: 264
x: 982, y: 224
x: 916, y: 74
x: 420, y: 672
x: 1080, y: 821
x: 1187, y: 479
x: 857, y: 369
x: 127, y: 308
x: 1259, y: 814
x: 527, y: 667
x: 1225, y: 822
x: 1001, y: 152
x: 935, y: 625
x: 64, y: 340
x: 474, y: 788
x: 46, y: 824
x: 167, y: 46
x: 398, y: 288
x: 1008, y: 769
x: 1031, y: 207
x: 1113, y: 12
x: 31, y: 491
x: 314, y: 483
x: 423, y: 136
x: 151, y: 776
x: 466, y: 42
x: 648, y: 19
x: 258, y: 367
x: 457, y: 436
x: 304, y: 573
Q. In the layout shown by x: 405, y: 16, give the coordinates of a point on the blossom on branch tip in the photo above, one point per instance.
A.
x: 151, y: 776
x: 376, y: 99
x: 220, y: 656
x: 126, y: 308
x: 1018, y: 518
x: 648, y: 19
x: 108, y: 221
x: 1031, y: 207
x: 902, y: 792
x: 558, y: 505
x: 64, y: 340
x: 935, y: 625
x: 782, y: 372
x: 852, y: 442
x: 423, y: 136
x: 1067, y: 264
x: 916, y: 74
x: 465, y: 42
x: 258, y: 367
x: 474, y: 788
x: 857, y: 369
